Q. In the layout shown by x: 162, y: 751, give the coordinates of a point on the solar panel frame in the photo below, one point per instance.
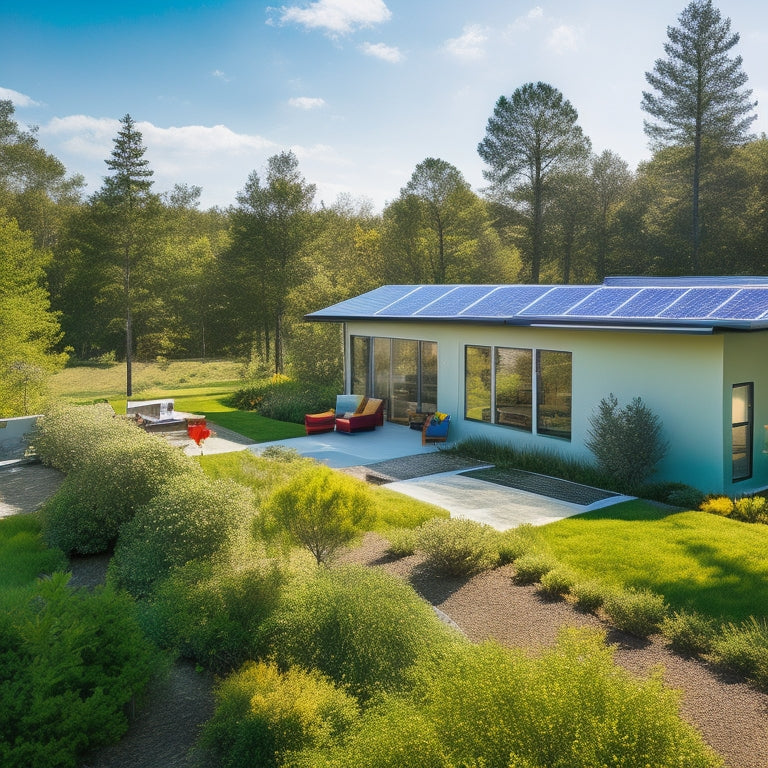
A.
x: 507, y: 301
x: 648, y: 303
x: 698, y: 303
x: 411, y: 303
x: 456, y: 301
x: 746, y: 304
x: 558, y: 301
x: 602, y: 302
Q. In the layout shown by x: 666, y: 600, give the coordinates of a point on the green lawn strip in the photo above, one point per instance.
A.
x: 698, y: 561
x: 23, y: 555
x: 393, y: 510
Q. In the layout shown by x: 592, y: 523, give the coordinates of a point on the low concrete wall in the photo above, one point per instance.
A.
x: 13, y: 436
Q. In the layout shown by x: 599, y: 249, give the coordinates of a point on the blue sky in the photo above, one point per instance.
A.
x: 360, y: 90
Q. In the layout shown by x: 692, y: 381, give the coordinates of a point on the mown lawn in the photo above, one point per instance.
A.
x: 697, y: 560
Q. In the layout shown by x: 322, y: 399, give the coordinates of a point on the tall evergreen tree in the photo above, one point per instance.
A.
x: 698, y: 101
x: 125, y: 198
x: 531, y: 137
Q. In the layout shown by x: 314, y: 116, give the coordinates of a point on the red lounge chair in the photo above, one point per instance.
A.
x: 369, y: 416
x: 320, y: 422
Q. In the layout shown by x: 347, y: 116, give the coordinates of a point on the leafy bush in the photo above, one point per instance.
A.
x: 557, y: 582
x: 285, y: 400
x: 361, y: 627
x: 639, y: 612
x: 402, y: 541
x: 23, y: 556
x: 743, y: 648
x: 589, y: 595
x: 69, y: 663
x: 717, y: 505
x: 531, y: 568
x: 516, y: 542
x: 262, y: 713
x: 627, y: 442
x: 484, y: 705
x: 212, y: 613
x: 689, y: 632
x: 318, y: 509
x: 457, y: 547
x: 750, y: 509
x: 120, y: 469
x: 675, y: 494
x: 190, y: 518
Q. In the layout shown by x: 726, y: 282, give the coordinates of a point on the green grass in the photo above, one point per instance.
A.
x: 393, y: 510
x: 23, y: 555
x: 698, y: 561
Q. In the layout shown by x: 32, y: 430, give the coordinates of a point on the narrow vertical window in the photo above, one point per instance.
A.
x: 742, y: 428
x: 477, y: 383
x: 514, y: 393
x: 553, y: 393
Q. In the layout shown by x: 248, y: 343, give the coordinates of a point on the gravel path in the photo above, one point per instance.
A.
x: 730, y: 714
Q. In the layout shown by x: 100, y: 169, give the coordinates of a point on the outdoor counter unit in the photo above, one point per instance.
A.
x: 529, y: 364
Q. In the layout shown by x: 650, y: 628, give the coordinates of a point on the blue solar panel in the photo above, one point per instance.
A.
x: 456, y: 301
x: 698, y: 302
x: 649, y: 302
x: 507, y: 301
x: 368, y: 303
x: 414, y: 301
x: 602, y: 302
x: 747, y: 304
x: 559, y: 300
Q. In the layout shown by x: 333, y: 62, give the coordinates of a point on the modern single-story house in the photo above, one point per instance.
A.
x: 529, y: 364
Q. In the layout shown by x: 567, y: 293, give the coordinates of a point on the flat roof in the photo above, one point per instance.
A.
x: 674, y: 304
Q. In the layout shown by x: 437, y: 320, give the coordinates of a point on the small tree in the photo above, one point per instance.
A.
x: 627, y: 442
x: 319, y: 509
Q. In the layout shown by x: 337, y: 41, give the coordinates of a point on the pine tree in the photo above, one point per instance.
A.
x: 125, y: 195
x: 699, y: 101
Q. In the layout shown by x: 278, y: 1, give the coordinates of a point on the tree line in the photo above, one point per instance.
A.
x: 131, y: 273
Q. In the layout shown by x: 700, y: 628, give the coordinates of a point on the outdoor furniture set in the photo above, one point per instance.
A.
x: 355, y: 413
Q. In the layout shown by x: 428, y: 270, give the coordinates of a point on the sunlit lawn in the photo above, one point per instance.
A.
x: 696, y: 560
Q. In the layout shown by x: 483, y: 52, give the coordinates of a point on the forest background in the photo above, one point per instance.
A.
x: 128, y: 273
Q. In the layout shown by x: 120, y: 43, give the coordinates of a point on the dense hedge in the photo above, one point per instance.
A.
x: 70, y: 661
x: 191, y: 518
x: 285, y: 400
x: 113, y: 468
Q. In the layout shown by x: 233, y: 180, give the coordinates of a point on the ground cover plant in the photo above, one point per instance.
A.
x: 697, y: 561
x: 23, y: 555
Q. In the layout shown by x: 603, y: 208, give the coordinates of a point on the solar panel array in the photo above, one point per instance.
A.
x: 730, y: 302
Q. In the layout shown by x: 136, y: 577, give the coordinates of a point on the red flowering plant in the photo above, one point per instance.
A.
x: 199, y: 433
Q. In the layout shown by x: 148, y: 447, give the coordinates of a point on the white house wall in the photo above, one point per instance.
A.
x: 680, y: 377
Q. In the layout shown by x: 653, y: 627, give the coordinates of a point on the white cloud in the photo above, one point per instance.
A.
x: 536, y: 14
x: 337, y: 16
x: 470, y: 45
x: 18, y: 99
x: 218, y: 74
x: 382, y: 51
x: 564, y: 39
x: 306, y: 102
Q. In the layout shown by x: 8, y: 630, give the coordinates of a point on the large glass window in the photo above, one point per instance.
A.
x: 513, y: 391
x: 477, y: 383
x: 553, y: 393
x: 741, y: 431
x: 403, y: 372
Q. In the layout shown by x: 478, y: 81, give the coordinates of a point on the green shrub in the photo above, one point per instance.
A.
x: 70, y: 661
x: 457, y: 547
x: 361, y: 627
x: 212, y: 613
x: 750, y: 509
x: 531, y: 568
x: 688, y: 632
x: 191, y: 518
x: 589, y: 594
x: 717, y: 505
x: 639, y: 612
x: 285, y: 400
x: 319, y: 509
x: 402, y: 541
x: 743, y: 648
x: 557, y: 582
x: 484, y: 705
x: 104, y: 491
x: 675, y: 494
x: 262, y: 713
x: 23, y: 556
x: 516, y: 542
x: 627, y: 442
